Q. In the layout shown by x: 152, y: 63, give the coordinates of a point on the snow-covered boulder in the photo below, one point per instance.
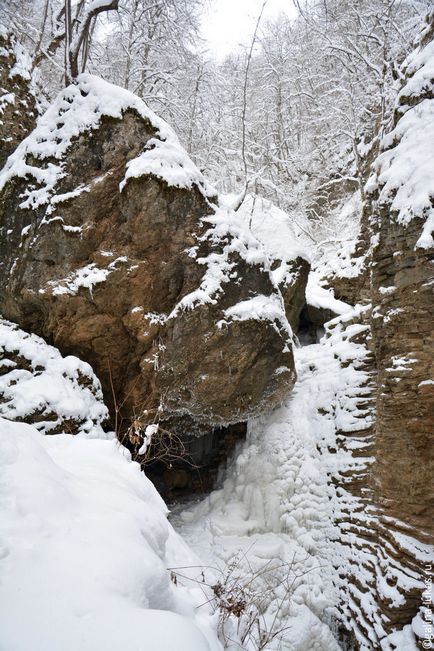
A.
x: 17, y: 99
x: 86, y: 552
x: 39, y: 386
x: 118, y: 252
x: 308, y: 304
x: 288, y: 255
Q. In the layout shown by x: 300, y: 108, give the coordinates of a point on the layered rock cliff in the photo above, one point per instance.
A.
x: 385, y: 526
x: 403, y: 296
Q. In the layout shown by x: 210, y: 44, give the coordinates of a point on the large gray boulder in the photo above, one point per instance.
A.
x: 118, y: 252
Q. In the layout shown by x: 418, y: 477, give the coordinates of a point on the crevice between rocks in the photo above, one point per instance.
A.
x: 196, y: 469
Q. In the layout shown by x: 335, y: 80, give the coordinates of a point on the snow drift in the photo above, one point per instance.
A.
x: 85, y: 549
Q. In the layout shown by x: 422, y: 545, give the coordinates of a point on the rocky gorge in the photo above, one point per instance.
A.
x: 126, y: 281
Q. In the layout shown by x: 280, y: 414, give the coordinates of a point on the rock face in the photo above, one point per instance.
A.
x: 39, y: 386
x: 350, y: 280
x: 402, y: 317
x: 289, y: 262
x: 386, y: 494
x: 17, y: 101
x: 403, y: 297
x: 117, y: 251
x: 293, y: 288
x: 381, y: 558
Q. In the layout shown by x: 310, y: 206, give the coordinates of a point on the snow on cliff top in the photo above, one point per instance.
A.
x: 37, y: 383
x: 80, y: 108
x: 404, y: 170
x: 85, y: 551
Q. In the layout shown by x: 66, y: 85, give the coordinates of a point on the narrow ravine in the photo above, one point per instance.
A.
x: 216, y: 332
x: 274, y: 511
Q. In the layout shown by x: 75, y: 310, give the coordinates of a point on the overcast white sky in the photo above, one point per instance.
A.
x: 229, y: 23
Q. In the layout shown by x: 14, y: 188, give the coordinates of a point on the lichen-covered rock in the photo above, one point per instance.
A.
x: 38, y: 386
x: 17, y: 100
x: 118, y: 252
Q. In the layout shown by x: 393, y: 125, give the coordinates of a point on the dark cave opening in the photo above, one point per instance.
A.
x: 195, y: 464
x: 311, y: 325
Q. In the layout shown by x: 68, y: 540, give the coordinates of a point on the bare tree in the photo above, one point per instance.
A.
x: 78, y: 31
x: 58, y: 23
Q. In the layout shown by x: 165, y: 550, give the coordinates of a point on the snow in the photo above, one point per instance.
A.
x: 36, y: 379
x: 85, y: 547
x: 21, y: 67
x: 323, y: 298
x: 87, y: 277
x: 72, y: 229
x: 419, y: 68
x: 403, y: 171
x: 228, y: 231
x: 335, y: 253
x: 6, y: 98
x: 281, y: 237
x: 23, y: 64
x: 80, y: 108
x: 154, y: 317
x: 401, y: 640
x: 170, y: 162
x: 147, y: 438
x: 259, y: 308
x: 387, y: 290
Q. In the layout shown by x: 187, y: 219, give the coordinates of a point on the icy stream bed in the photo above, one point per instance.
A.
x: 88, y: 559
x: 267, y: 533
